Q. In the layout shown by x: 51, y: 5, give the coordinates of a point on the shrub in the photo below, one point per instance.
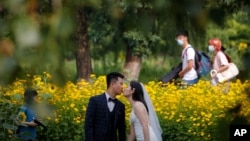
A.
x: 191, y: 114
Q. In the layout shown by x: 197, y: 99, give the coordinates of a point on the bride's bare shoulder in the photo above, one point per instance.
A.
x: 138, y: 105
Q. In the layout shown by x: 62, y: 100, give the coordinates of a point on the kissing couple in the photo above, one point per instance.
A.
x: 105, y: 115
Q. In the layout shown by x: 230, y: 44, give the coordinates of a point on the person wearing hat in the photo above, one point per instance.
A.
x: 188, y: 73
x: 27, y: 126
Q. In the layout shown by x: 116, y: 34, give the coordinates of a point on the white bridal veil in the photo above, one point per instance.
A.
x: 154, y: 122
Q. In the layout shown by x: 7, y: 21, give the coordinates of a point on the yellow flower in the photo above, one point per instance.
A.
x: 75, y: 109
x: 78, y: 121
x: 48, y: 118
x: 92, y: 76
x: 178, y: 120
x: 198, y: 107
x: 10, y: 131
x: 57, y: 120
x: 72, y: 105
x: 242, y: 46
x: 202, y: 133
x: 21, y: 116
x: 48, y: 76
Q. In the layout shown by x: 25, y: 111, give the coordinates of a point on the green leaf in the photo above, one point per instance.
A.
x: 46, y: 96
x: 9, y: 126
x: 17, y: 97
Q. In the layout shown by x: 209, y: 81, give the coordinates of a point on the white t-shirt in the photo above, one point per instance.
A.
x: 220, y: 60
x: 188, y: 53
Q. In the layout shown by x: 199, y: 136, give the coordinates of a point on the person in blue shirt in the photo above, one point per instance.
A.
x: 27, y: 127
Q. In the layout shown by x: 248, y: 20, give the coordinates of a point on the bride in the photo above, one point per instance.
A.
x: 144, y: 121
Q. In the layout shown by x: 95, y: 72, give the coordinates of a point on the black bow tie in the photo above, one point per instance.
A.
x: 113, y: 100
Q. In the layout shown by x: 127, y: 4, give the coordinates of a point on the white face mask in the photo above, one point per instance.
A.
x: 211, y: 48
x: 180, y: 42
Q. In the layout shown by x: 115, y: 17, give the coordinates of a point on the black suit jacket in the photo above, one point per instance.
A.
x: 96, y: 119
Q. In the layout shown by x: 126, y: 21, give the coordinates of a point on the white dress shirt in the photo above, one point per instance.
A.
x: 111, y: 104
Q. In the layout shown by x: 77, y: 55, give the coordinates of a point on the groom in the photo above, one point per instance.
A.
x: 105, y: 115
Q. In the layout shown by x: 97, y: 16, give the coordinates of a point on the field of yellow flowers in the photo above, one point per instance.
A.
x: 199, y: 113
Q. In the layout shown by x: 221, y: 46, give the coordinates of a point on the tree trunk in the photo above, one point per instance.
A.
x: 132, y: 66
x: 83, y: 59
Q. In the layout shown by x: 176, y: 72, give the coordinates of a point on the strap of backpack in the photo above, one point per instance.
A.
x: 185, y: 52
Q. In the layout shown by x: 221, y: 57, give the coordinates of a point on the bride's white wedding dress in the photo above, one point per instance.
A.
x: 138, y: 129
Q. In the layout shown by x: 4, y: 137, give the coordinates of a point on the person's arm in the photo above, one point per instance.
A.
x: 222, y: 68
x: 122, y: 125
x: 31, y: 123
x: 131, y: 136
x: 89, y: 120
x: 188, y: 68
x: 223, y: 62
x: 142, y: 115
x: 29, y: 117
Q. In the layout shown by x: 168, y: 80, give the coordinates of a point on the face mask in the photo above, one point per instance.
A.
x: 180, y: 42
x: 211, y: 48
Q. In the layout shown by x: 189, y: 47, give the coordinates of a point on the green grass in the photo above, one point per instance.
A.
x: 152, y: 67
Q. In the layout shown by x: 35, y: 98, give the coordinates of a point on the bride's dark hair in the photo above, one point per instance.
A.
x: 138, y: 94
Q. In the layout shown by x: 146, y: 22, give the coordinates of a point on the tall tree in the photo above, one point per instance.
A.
x: 83, y: 59
x: 137, y: 30
x: 82, y: 49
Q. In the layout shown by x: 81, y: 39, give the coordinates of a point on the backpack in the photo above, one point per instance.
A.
x: 202, y: 63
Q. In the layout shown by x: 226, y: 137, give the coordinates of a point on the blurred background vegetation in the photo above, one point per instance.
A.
x: 73, y: 39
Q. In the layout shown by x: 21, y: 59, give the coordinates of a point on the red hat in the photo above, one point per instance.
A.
x: 216, y: 43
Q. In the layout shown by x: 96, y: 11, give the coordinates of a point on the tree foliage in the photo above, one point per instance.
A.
x: 40, y: 33
x: 44, y: 31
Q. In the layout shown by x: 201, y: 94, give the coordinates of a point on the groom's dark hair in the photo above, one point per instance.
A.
x: 138, y: 94
x: 113, y: 76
